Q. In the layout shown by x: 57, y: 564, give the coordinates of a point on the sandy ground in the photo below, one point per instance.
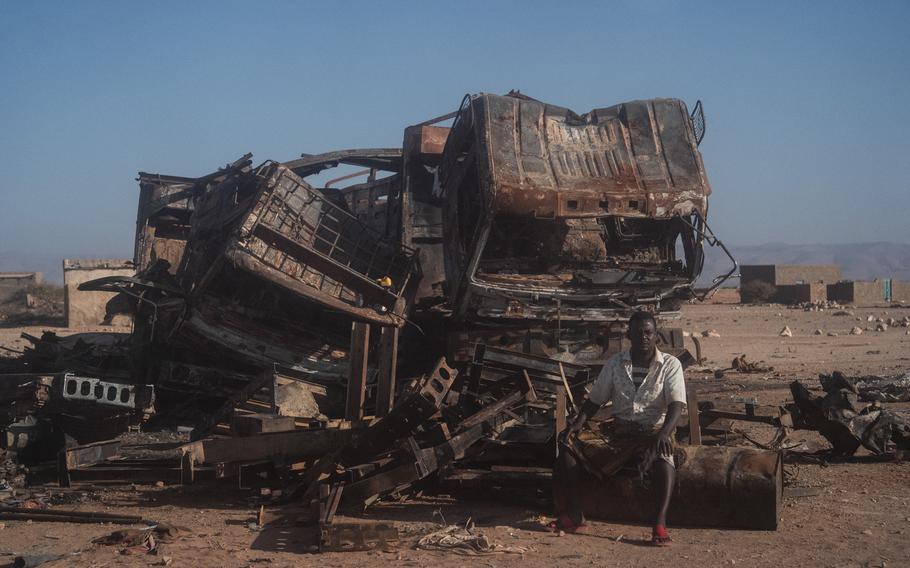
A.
x: 860, y: 515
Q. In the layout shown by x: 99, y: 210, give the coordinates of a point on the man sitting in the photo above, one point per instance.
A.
x: 648, y: 394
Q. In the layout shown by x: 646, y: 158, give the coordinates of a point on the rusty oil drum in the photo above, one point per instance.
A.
x: 716, y: 486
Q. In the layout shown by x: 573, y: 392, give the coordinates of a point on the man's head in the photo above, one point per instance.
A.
x: 642, y: 333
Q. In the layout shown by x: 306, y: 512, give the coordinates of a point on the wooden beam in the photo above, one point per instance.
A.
x: 357, y: 376
x: 692, y: 409
x: 285, y: 445
x: 388, y: 368
x: 560, y: 411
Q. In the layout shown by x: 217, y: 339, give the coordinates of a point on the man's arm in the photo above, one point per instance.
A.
x: 588, y: 409
x: 675, y: 390
x: 674, y: 411
x: 600, y: 393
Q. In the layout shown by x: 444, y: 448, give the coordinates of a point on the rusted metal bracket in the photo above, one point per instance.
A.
x: 70, y: 459
x: 351, y: 537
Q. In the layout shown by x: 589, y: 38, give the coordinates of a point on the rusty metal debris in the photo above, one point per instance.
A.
x: 432, y: 318
x: 844, y: 422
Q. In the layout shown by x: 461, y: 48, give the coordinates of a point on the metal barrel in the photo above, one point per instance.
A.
x: 716, y: 486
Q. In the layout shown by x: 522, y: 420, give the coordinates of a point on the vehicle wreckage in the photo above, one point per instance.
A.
x: 435, y: 321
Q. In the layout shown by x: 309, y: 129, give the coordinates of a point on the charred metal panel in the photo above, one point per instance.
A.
x: 369, y: 201
x: 272, y: 224
x: 165, y: 207
x: 417, y: 210
x: 634, y: 159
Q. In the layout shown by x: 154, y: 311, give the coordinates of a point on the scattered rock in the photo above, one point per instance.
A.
x: 786, y: 332
x: 867, y: 532
x: 832, y: 334
x: 856, y: 331
x: 818, y: 332
x: 710, y: 333
x: 870, y: 318
x: 881, y: 327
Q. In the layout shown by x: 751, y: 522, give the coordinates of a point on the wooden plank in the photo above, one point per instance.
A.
x: 357, y: 377
x: 260, y: 423
x: 388, y: 368
x: 692, y: 409
x: 560, y: 411
x: 300, y: 443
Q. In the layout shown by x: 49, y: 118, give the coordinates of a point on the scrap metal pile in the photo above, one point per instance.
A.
x: 438, y: 320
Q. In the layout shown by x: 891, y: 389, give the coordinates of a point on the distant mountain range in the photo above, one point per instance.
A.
x: 864, y: 261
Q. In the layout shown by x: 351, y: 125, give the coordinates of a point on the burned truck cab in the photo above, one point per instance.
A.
x: 559, y: 225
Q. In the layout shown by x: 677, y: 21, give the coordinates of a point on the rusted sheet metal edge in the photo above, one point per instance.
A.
x: 338, y: 272
x: 239, y: 258
x: 594, y: 202
x: 257, y: 349
x: 388, y: 159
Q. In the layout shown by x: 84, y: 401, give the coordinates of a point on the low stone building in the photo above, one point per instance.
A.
x: 11, y: 283
x: 787, y: 283
x: 858, y: 293
x: 900, y: 291
x: 797, y: 293
x: 89, y: 308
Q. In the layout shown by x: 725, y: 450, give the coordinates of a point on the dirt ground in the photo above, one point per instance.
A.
x: 859, y: 514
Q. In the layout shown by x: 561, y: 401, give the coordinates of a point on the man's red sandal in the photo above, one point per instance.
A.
x: 565, y: 524
x: 659, y: 536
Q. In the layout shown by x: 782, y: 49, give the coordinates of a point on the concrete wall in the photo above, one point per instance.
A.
x: 785, y: 274
x: 796, y: 293
x: 723, y: 296
x: 20, y: 279
x: 858, y: 293
x: 900, y: 291
x: 88, y: 308
x: 763, y: 272
x: 12, y: 282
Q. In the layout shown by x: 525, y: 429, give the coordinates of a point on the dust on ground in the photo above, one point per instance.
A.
x: 852, y: 514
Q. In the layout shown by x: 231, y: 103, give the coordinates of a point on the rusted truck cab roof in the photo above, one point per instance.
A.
x: 637, y: 159
x: 584, y: 210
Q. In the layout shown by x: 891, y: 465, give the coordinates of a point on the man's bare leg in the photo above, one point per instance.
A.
x: 568, y: 475
x: 664, y: 479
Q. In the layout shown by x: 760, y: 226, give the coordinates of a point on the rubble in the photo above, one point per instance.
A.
x: 845, y: 423
x: 856, y: 330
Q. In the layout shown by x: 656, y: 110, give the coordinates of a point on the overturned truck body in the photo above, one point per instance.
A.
x: 521, y: 225
x: 550, y: 227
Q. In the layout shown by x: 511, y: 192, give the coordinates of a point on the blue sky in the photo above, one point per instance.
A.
x: 806, y: 102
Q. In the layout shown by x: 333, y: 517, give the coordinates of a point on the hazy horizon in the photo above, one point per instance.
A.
x: 805, y: 110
